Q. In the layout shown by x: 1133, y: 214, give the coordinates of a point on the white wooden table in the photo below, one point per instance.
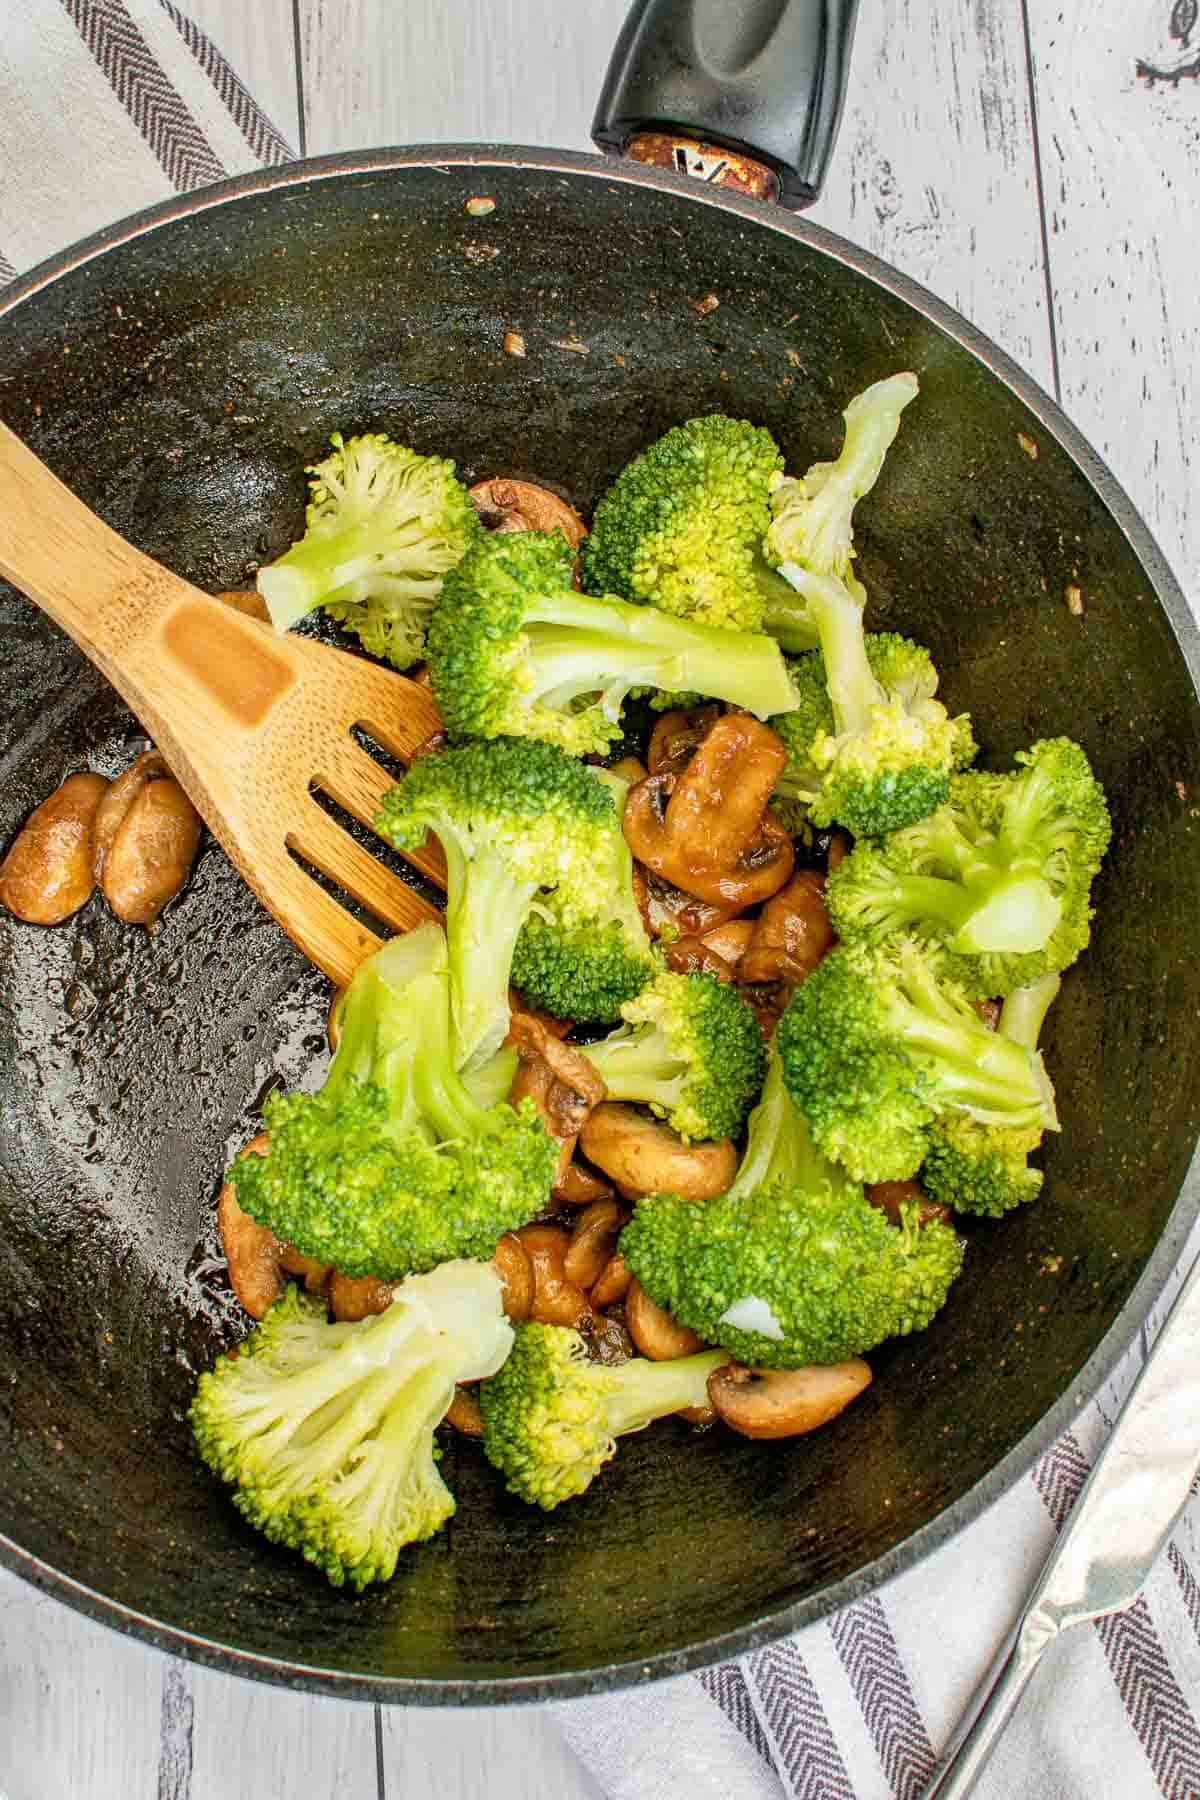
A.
x: 1004, y: 152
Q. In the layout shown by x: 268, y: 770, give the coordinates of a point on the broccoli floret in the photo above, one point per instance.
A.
x: 682, y: 527
x: 985, y: 1169
x: 888, y: 759
x: 903, y: 670
x: 383, y: 528
x: 326, y: 1431
x: 551, y: 1416
x: 882, y: 755
x: 879, y: 1041
x: 514, y: 650
x: 513, y: 817
x: 393, y: 1166
x: 588, y: 971
x: 690, y: 1049
x: 793, y: 1265
x: 812, y: 525
x: 1001, y: 874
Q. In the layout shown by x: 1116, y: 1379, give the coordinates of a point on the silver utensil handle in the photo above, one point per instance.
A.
x: 987, y: 1712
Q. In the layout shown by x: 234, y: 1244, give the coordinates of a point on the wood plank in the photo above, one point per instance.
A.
x: 934, y: 169
x: 258, y: 41
x: 80, y: 1707
x: 510, y: 1753
x: 251, y: 1742
x: 1122, y: 188
x: 516, y: 71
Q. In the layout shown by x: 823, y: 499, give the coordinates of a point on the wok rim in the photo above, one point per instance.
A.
x: 912, y: 1550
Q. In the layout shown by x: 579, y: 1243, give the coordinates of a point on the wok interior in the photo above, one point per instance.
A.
x: 179, y: 384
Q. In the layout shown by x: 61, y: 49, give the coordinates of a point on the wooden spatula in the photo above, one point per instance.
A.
x: 252, y: 724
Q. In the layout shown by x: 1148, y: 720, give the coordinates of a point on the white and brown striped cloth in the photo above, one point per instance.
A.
x: 109, y: 105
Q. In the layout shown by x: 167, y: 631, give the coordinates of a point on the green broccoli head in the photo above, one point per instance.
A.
x: 384, y: 527
x: 514, y: 650
x: 393, y: 1166
x: 691, y: 1049
x: 681, y: 528
x: 580, y: 972
x: 514, y: 817
x: 551, y: 1417
x: 326, y: 1431
x: 982, y: 1168
x: 868, y: 745
x: 791, y: 1273
x: 812, y: 525
x: 587, y: 971
x: 1001, y: 874
x: 879, y: 1041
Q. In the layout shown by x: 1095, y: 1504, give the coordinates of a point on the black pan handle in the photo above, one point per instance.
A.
x: 741, y: 93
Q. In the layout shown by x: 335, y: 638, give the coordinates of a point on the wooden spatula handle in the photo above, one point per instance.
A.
x: 160, y: 641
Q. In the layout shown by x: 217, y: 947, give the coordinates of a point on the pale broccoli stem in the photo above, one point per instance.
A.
x: 486, y: 907
x: 978, y: 1071
x: 622, y: 646
x: 644, y: 1391
x: 853, y: 689
x: 1024, y: 1011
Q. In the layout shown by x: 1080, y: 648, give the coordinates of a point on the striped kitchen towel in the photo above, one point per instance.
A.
x: 109, y: 105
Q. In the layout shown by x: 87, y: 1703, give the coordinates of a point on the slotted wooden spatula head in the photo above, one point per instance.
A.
x: 254, y: 726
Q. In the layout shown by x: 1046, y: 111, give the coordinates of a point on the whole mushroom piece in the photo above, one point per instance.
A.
x: 779, y: 1403
x: 48, y: 873
x: 643, y: 1156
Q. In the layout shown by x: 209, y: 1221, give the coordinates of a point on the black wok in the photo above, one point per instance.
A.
x: 178, y: 372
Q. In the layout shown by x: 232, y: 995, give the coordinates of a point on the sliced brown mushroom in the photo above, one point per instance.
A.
x: 643, y: 1156
x: 315, y: 1275
x: 607, y: 1340
x: 768, y: 1002
x: 507, y: 505
x: 525, y: 1021
x: 666, y: 909
x: 354, y: 1297
x: 629, y: 770
x: 511, y: 1262
x: 656, y: 1334
x: 251, y: 1251
x: 612, y: 1284
x: 731, y: 941
x: 48, y: 873
x: 707, y: 830
x: 556, y: 1301
x: 592, y: 1241
x: 779, y: 1403
x: 256, y: 1258
x: 677, y: 735
x: 579, y: 1186
x: 699, y: 1416
x: 562, y: 1084
x: 791, y: 934
x: 692, y: 955
x: 890, y: 1196
x: 464, y: 1414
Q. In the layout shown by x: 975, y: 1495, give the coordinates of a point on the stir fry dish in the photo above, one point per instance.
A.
x: 734, y: 1013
